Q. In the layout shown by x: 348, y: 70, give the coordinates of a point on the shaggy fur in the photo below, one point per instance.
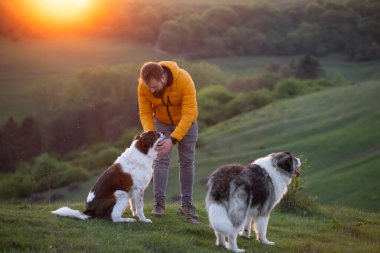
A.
x: 239, y: 194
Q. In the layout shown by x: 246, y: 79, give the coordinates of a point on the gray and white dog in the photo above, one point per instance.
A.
x: 238, y: 195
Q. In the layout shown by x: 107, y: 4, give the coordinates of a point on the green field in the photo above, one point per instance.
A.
x: 31, y: 228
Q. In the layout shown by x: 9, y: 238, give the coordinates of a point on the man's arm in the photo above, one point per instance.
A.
x: 145, y: 109
x: 189, y: 108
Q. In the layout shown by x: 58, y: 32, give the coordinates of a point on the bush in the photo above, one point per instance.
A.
x: 204, y: 73
x: 245, y: 102
x: 44, y: 174
x: 294, y: 201
x: 48, y: 171
x: 255, y: 82
x: 107, y: 156
x: 288, y: 88
x: 16, y: 185
x: 213, y: 102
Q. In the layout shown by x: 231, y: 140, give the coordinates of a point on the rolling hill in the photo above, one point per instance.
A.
x: 335, y: 130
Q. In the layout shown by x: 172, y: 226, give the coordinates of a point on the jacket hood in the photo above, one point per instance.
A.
x: 172, y: 66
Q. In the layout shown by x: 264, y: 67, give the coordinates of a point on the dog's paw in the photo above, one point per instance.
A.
x: 244, y: 233
x: 129, y: 220
x: 145, y: 220
x: 124, y: 220
x: 233, y: 249
x: 266, y: 242
x: 220, y: 243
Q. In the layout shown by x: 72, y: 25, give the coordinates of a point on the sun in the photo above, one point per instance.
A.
x: 53, y: 14
x: 62, y: 10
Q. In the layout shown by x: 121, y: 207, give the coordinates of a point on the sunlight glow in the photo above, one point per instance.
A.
x: 55, y: 14
x: 62, y: 10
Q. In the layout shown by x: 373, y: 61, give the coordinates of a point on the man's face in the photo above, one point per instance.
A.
x: 157, y: 87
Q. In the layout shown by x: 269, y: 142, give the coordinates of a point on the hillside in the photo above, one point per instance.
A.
x: 335, y: 130
x: 31, y: 228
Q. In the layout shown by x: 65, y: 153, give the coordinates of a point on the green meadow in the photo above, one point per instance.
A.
x: 32, y: 228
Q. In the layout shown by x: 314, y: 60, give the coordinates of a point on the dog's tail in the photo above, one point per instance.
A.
x: 68, y: 212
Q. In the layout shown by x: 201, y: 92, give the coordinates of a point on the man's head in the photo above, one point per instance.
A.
x: 154, y: 77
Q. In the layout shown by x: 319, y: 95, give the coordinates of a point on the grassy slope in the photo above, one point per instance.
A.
x: 335, y: 130
x: 31, y: 228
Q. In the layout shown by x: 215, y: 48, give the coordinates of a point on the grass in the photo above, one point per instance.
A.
x: 31, y: 228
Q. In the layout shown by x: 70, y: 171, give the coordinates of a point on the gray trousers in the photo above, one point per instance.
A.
x: 186, y: 157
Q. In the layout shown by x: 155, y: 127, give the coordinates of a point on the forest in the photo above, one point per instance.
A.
x: 262, y: 28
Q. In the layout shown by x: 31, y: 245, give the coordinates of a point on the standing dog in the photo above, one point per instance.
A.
x: 238, y: 194
x: 124, y: 181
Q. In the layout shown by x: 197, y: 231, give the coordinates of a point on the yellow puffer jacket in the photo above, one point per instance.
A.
x: 179, y: 100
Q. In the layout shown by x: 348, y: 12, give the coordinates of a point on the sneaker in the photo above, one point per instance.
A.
x: 158, y: 210
x: 189, y: 210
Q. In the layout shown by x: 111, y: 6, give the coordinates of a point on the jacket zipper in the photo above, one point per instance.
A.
x: 167, y: 108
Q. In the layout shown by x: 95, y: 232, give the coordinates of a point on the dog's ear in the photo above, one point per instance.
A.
x: 286, y: 163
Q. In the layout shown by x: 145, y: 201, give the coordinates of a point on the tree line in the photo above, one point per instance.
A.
x: 100, y: 104
x: 316, y: 27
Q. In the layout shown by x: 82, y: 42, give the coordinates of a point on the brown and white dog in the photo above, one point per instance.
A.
x: 123, y: 182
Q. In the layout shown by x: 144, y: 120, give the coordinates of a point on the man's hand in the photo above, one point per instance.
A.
x: 163, y: 147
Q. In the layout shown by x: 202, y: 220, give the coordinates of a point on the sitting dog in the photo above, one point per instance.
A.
x: 123, y: 182
x: 238, y: 194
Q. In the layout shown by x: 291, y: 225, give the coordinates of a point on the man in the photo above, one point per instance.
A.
x: 167, y: 103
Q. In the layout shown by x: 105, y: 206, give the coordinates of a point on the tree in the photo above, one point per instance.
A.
x: 10, y: 148
x: 31, y: 138
x: 308, y: 67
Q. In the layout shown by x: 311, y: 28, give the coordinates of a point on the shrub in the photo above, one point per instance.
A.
x: 288, y: 88
x: 44, y: 174
x: 256, y: 82
x: 107, y: 156
x: 245, y: 102
x: 294, y: 201
x: 16, y: 185
x: 213, y: 102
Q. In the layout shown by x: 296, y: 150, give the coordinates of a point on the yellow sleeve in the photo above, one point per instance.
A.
x: 189, y: 107
x: 145, y: 109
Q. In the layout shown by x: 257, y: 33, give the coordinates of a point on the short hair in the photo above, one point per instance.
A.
x: 151, y: 70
